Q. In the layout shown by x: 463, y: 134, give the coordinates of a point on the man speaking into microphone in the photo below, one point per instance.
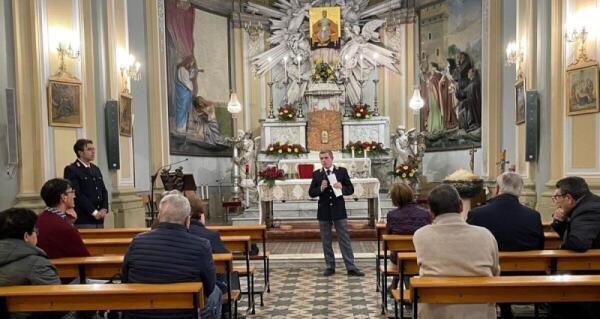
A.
x: 331, y: 184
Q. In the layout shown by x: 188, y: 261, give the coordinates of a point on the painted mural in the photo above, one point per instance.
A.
x: 197, y: 52
x: 450, y: 73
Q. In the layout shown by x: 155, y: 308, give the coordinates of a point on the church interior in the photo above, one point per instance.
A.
x: 257, y: 110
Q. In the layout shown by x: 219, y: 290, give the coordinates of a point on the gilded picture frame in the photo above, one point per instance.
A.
x: 520, y: 101
x: 125, y: 115
x: 65, y: 102
x: 325, y: 28
x: 582, y: 88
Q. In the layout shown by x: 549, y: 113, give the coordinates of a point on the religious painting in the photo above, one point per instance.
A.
x: 582, y: 88
x: 325, y: 27
x: 520, y: 102
x: 125, y: 117
x: 450, y: 73
x: 64, y: 103
x: 198, y: 76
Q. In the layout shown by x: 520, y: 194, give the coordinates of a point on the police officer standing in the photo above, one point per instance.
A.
x: 332, y: 211
x: 91, y: 197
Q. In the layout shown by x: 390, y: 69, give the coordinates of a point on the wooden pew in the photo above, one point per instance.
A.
x: 258, y: 233
x: 104, y: 267
x: 48, y: 298
x: 509, y: 289
x: 398, y: 243
x: 101, y: 233
x: 107, y: 246
x: 552, y: 240
x: 546, y: 224
x: 379, y: 231
x: 241, y: 244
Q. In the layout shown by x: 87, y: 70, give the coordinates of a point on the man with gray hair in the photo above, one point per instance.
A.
x: 169, y: 254
x: 451, y: 247
x: 516, y: 227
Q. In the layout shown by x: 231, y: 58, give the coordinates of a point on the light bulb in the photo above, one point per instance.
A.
x: 416, y: 102
x: 234, y: 106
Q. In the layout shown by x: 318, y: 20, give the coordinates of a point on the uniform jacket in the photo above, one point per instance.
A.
x: 331, y: 207
x: 169, y: 254
x: 89, y: 189
x: 581, y: 230
x: 451, y: 247
x: 58, y: 238
x: 516, y: 227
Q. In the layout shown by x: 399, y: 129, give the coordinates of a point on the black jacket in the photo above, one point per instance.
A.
x: 581, y: 230
x: 516, y: 227
x: 169, y: 254
x: 331, y: 207
x: 90, y: 192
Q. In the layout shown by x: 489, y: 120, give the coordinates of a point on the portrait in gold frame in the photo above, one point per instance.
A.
x: 325, y: 27
x: 582, y: 88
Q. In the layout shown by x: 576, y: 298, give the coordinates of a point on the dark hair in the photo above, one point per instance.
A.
x: 574, y: 186
x: 80, y: 145
x: 444, y: 199
x: 326, y: 151
x: 52, y: 190
x: 401, y: 195
x: 15, y: 222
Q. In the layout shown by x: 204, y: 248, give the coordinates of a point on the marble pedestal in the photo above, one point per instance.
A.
x: 375, y: 129
x: 285, y: 132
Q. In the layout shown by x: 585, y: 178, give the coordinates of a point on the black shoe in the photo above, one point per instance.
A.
x: 356, y: 273
x: 328, y: 272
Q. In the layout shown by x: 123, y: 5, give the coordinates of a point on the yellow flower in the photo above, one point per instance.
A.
x: 367, y: 116
x: 362, y: 110
x: 357, y: 114
x: 405, y: 166
x: 285, y: 111
x: 290, y: 115
x: 279, y: 151
x: 411, y: 174
x: 271, y: 148
x: 403, y: 175
x: 352, y: 147
x: 367, y: 148
x: 398, y: 171
x: 296, y: 150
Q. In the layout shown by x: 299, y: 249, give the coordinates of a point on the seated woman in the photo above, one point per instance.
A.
x: 406, y: 218
x: 21, y: 262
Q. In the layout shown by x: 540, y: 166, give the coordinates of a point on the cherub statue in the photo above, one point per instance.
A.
x: 400, y: 146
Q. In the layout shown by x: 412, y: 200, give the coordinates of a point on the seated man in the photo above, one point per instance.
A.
x: 169, y: 254
x: 516, y: 227
x: 57, y: 236
x: 577, y: 214
x: 451, y: 247
x: 21, y: 262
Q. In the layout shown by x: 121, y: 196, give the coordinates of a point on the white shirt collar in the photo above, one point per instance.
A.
x: 84, y: 164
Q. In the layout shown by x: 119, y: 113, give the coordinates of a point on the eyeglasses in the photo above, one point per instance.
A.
x: 555, y: 197
x: 71, y: 191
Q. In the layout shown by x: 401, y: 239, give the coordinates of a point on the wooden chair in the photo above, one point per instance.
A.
x: 392, y: 243
x: 241, y: 244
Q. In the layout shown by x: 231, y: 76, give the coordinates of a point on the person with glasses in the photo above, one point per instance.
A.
x: 57, y: 236
x: 577, y: 214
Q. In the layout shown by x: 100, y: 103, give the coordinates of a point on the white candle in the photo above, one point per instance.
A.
x: 285, y: 58
x: 361, y: 66
x: 352, y: 153
x: 299, y: 60
x: 365, y: 153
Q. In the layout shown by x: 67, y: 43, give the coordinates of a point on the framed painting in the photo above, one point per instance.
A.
x: 325, y: 27
x: 125, y: 115
x: 582, y: 88
x: 520, y: 101
x: 198, y: 80
x: 64, y: 103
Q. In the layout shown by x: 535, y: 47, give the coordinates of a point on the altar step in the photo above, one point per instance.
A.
x: 304, y: 231
x: 307, y: 211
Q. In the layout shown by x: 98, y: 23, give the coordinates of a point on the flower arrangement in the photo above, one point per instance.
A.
x: 285, y: 149
x: 359, y: 147
x: 271, y: 174
x: 323, y: 72
x: 407, y: 171
x: 286, y: 113
x: 360, y: 111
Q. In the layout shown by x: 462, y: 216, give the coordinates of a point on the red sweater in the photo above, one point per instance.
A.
x: 58, y: 238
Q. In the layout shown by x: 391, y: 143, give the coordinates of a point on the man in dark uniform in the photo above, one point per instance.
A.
x: 91, y: 201
x: 332, y: 210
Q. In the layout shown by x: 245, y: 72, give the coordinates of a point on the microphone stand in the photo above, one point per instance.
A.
x: 152, y: 184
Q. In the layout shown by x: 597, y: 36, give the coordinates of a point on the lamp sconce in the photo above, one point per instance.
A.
x: 254, y: 29
x: 515, y: 56
x: 578, y: 37
x: 65, y: 47
x: 130, y: 71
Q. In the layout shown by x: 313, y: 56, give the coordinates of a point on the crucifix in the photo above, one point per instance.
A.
x: 472, y: 158
x: 502, y: 163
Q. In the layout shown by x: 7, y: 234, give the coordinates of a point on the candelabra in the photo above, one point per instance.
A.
x: 361, y: 82
x: 68, y: 51
x: 130, y: 71
x: 254, y: 29
x: 270, y: 115
x: 375, y: 107
x: 578, y: 37
x: 515, y: 56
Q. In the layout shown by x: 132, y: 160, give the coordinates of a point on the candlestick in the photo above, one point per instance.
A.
x: 299, y: 60
x: 285, y: 58
x: 361, y: 66
x: 365, y: 153
x: 352, y: 153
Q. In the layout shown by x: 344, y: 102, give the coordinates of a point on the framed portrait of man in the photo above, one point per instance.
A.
x: 582, y: 88
x: 64, y: 102
x: 520, y: 100
x: 325, y: 27
x: 125, y: 115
